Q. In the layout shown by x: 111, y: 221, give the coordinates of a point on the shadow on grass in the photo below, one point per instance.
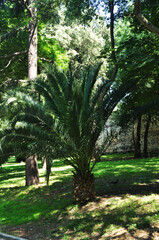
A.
x: 12, y: 171
x: 50, y: 210
x: 22, y: 204
x: 92, y: 221
x: 96, y: 227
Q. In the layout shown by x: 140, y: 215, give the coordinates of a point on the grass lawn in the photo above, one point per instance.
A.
x: 127, y: 205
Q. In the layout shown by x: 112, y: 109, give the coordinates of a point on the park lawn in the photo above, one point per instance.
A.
x: 127, y: 202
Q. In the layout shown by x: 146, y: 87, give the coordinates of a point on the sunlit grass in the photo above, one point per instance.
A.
x: 127, y: 199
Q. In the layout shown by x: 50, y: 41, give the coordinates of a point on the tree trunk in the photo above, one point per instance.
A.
x: 48, y: 170
x: 138, y: 139
x: 84, y: 190
x: 32, y: 43
x: 44, y: 163
x: 32, y: 175
x: 133, y: 137
x: 146, y: 135
x: 31, y: 171
x: 113, y: 55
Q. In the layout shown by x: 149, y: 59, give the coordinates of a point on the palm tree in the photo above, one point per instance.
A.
x: 66, y: 122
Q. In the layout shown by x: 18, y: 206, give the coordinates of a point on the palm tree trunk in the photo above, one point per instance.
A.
x: 31, y: 171
x: 84, y: 190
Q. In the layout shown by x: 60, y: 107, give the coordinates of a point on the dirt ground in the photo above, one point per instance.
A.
x: 35, y: 232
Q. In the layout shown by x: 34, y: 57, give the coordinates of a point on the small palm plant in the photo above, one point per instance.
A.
x: 66, y: 122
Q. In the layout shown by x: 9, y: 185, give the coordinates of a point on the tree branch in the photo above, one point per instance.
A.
x: 14, y: 54
x: 46, y: 60
x: 15, y: 81
x: 1, y: 70
x: 24, y: 2
x: 143, y: 20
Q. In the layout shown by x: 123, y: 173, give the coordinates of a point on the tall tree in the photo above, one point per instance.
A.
x: 19, y: 18
x: 31, y: 162
x: 32, y: 177
x: 15, y: 12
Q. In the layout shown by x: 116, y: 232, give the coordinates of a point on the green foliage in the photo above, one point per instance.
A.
x: 48, y: 11
x: 86, y: 10
x: 141, y: 64
x: 13, y: 35
x: 83, y: 43
x: 14, y: 38
x: 50, y: 48
x: 83, y: 10
x: 151, y: 11
x: 137, y: 56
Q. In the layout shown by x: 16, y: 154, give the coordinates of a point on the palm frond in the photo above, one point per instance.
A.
x: 116, y: 94
x: 90, y: 81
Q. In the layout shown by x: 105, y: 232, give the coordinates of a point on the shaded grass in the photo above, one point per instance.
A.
x: 128, y: 176
x: 127, y: 197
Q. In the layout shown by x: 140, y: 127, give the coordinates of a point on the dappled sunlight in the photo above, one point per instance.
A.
x: 61, y: 168
x: 127, y: 202
x: 123, y: 173
x: 106, y: 216
x: 35, y: 201
x: 12, y: 184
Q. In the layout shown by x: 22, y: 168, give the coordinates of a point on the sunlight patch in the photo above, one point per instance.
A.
x: 60, y: 168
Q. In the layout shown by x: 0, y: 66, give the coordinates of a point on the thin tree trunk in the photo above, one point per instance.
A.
x: 32, y: 43
x: 83, y: 189
x: 138, y: 139
x: 146, y: 136
x: 31, y: 171
x: 44, y: 163
x: 111, y: 9
x: 48, y: 170
x: 133, y: 136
